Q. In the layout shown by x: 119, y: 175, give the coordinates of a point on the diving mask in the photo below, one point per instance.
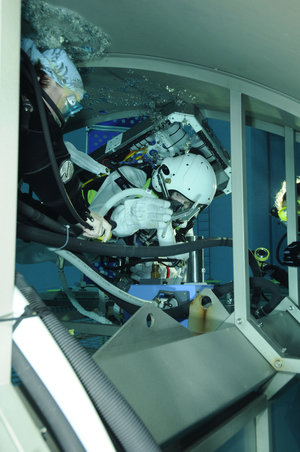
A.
x: 71, y: 106
x: 183, y: 208
x: 282, y: 213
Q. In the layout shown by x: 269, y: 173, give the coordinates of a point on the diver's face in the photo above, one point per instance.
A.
x: 180, y: 201
x: 66, y: 100
x: 55, y: 91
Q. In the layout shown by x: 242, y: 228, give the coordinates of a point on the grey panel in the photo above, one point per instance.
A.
x: 173, y: 382
x: 283, y: 330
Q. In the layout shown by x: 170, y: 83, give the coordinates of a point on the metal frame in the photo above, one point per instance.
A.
x: 15, y: 435
x: 9, y: 63
x: 9, y: 112
x: 240, y: 235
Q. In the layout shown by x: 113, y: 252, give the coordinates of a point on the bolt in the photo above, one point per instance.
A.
x: 43, y: 431
x: 260, y: 325
x: 278, y: 364
x: 239, y: 321
x: 283, y: 350
x: 291, y: 308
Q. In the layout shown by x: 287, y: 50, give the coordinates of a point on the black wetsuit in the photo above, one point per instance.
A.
x: 34, y: 164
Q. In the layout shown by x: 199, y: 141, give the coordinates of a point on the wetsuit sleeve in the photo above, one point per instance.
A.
x: 36, y: 170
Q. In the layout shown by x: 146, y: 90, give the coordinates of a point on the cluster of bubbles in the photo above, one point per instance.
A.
x: 134, y: 90
x: 56, y: 27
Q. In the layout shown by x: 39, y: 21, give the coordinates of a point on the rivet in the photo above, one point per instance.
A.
x: 278, y: 364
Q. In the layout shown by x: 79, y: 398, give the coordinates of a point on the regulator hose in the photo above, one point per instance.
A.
x: 113, y: 409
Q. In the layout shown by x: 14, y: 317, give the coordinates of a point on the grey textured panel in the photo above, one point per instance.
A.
x: 173, y: 379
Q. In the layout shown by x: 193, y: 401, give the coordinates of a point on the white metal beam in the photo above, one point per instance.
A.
x: 10, y: 11
x: 239, y: 208
x: 292, y: 223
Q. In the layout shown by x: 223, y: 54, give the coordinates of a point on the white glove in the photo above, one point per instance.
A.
x: 141, y: 213
x: 101, y: 228
x: 85, y: 161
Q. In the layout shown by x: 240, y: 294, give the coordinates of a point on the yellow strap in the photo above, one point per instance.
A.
x: 91, y: 195
x: 147, y: 184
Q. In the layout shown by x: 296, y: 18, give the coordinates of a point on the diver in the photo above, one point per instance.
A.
x: 51, y: 89
x: 291, y: 254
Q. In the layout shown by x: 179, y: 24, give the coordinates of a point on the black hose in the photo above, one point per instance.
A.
x: 114, y: 410
x: 38, y: 217
x: 52, y: 239
x: 256, y: 282
x: 276, y: 296
x: 34, y: 215
x: 49, y: 146
x: 60, y: 428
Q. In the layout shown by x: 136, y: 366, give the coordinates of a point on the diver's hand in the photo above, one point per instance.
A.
x: 101, y: 228
x: 149, y: 213
x: 141, y: 213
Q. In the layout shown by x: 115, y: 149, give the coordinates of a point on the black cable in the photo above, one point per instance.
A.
x: 49, y: 146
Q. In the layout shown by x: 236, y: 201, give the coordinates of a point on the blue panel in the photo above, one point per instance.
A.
x: 98, y: 138
x: 149, y: 291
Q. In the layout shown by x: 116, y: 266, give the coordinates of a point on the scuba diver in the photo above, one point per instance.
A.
x: 51, y: 90
x: 291, y: 254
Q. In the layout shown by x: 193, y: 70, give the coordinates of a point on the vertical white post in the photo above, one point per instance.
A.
x: 9, y: 130
x: 292, y: 223
x: 263, y: 431
x: 239, y: 209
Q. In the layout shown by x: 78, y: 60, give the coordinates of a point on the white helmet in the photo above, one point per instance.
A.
x: 189, y: 174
